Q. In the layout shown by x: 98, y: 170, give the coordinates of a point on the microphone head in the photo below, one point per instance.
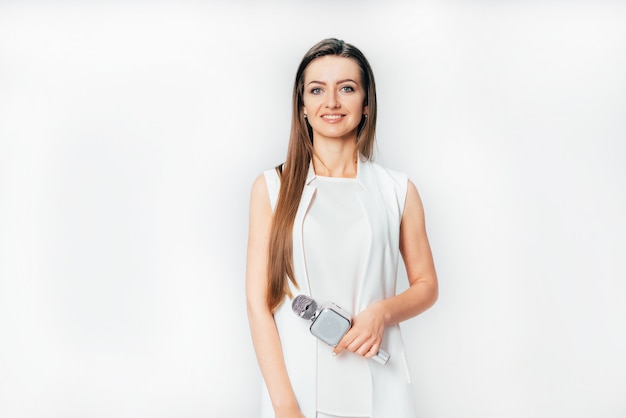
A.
x: 304, y: 306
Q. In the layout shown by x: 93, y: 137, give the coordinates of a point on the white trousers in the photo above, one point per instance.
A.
x: 322, y: 415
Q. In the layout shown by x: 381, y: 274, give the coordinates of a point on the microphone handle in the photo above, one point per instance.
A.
x: 381, y: 357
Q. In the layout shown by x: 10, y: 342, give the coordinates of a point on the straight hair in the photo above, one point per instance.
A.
x: 294, y: 171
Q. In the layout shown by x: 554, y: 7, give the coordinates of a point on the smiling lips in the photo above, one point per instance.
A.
x: 332, y: 118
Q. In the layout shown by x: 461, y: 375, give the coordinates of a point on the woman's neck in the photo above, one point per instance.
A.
x: 335, y: 160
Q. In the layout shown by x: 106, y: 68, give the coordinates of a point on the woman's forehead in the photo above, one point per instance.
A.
x: 332, y: 68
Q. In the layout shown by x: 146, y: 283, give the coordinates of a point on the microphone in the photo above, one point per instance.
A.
x: 329, y: 322
x: 304, y: 307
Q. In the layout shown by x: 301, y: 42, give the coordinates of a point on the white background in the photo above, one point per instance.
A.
x: 131, y: 132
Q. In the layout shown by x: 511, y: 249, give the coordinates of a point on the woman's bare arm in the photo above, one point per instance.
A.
x: 262, y: 326
x: 365, y: 336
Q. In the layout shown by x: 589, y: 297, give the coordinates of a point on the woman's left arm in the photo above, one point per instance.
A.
x: 366, y: 334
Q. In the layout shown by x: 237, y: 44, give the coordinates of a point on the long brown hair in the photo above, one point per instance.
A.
x: 294, y: 172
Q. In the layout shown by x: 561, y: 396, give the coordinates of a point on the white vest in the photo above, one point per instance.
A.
x: 382, y: 197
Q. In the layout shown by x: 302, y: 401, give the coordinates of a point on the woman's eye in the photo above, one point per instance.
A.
x: 316, y: 90
x: 347, y: 89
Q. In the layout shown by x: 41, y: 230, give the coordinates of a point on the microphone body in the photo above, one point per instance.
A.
x: 329, y: 322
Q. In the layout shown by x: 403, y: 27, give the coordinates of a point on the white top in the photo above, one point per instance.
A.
x: 336, y: 238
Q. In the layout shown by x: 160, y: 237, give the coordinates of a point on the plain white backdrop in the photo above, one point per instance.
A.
x: 131, y: 132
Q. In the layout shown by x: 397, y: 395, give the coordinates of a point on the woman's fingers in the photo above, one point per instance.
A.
x: 361, y: 342
x: 372, y: 351
x: 366, y: 334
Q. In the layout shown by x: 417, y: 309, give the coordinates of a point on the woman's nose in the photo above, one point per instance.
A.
x: 332, y: 101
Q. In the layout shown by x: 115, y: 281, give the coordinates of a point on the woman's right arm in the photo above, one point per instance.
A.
x: 262, y: 326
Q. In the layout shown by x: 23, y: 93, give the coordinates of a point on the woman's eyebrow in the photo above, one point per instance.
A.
x: 338, y: 82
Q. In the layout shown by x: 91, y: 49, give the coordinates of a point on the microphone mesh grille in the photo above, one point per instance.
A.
x: 304, y: 306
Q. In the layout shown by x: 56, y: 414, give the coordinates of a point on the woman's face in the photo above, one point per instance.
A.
x: 333, y: 97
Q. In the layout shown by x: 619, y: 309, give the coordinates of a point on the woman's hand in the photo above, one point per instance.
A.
x: 366, y: 334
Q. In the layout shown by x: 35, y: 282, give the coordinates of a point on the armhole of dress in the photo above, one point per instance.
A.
x: 403, y: 190
x: 272, y: 180
x: 401, y: 185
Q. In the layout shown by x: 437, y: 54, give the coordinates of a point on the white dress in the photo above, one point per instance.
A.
x: 382, y: 199
x: 336, y: 238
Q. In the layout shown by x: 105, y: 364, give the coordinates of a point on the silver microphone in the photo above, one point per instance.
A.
x: 329, y: 322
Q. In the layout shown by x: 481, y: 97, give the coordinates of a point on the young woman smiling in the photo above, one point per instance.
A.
x: 331, y: 224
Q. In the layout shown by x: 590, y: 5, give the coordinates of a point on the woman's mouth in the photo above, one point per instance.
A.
x: 332, y: 118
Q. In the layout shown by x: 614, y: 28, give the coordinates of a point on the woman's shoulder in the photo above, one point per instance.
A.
x: 398, y: 177
x: 394, y: 181
x: 271, y: 178
x: 272, y: 175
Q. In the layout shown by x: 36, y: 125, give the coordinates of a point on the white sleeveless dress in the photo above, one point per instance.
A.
x: 382, y: 197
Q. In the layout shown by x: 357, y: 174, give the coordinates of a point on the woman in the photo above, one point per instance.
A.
x: 330, y: 224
